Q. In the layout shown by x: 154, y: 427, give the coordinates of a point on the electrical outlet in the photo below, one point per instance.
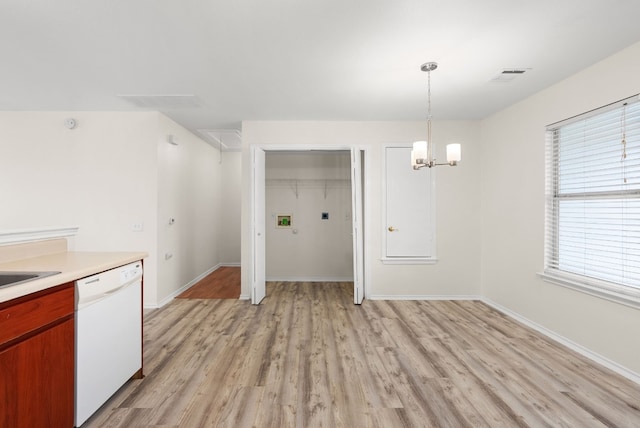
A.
x: 137, y: 227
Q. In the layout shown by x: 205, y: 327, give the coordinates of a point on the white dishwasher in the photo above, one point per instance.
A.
x: 108, y: 335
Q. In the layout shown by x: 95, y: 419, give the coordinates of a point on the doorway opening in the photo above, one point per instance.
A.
x: 308, y: 222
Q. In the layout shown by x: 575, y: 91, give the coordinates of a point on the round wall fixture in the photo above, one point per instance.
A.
x: 70, y: 123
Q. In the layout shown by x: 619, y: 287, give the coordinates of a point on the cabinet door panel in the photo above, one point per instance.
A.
x: 37, y: 381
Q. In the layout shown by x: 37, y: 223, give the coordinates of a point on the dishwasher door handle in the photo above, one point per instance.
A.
x: 113, y: 290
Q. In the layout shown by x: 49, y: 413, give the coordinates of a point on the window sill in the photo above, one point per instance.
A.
x: 409, y: 260
x: 612, y: 292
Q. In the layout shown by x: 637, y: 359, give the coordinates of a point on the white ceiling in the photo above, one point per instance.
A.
x: 298, y: 59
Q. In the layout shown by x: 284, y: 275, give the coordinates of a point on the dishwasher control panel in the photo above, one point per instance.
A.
x: 130, y: 272
x: 95, y: 287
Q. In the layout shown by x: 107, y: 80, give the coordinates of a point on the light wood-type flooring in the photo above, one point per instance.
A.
x: 307, y: 357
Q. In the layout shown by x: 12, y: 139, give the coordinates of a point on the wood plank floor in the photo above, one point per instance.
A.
x: 223, y: 283
x: 307, y: 357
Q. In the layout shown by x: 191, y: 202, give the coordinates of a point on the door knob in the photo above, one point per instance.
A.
x: 392, y: 229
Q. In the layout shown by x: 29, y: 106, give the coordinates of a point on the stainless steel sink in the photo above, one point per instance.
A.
x: 9, y: 278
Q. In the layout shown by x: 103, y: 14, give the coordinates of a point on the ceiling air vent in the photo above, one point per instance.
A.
x: 163, y: 102
x: 509, y: 74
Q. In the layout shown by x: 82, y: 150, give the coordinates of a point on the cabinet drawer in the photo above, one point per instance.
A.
x: 33, y: 312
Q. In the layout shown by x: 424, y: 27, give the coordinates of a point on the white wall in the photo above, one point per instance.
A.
x: 113, y: 170
x: 457, y: 272
x: 230, y: 207
x: 513, y: 213
x: 100, y: 176
x: 311, y: 249
x: 189, y: 182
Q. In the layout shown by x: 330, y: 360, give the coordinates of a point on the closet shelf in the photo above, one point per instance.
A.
x: 295, y: 184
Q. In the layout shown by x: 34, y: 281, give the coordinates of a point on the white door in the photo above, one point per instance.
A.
x: 357, y: 224
x: 408, y: 206
x: 258, y: 281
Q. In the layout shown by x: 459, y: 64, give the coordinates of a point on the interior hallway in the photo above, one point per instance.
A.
x: 223, y: 283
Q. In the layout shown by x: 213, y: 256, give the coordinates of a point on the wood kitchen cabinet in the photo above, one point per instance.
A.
x: 37, y: 359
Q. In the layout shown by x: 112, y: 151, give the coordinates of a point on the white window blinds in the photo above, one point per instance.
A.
x: 593, y: 198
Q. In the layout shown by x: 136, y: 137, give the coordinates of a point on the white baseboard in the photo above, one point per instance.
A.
x: 421, y: 297
x: 311, y: 279
x: 612, y: 365
x: 146, y: 307
x: 230, y: 264
x: 185, y: 287
x: 245, y: 297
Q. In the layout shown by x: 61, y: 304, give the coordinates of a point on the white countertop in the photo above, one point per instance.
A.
x: 72, y: 265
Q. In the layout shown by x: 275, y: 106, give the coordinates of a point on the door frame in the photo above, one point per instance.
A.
x: 366, y: 167
x: 357, y: 223
x: 258, y: 232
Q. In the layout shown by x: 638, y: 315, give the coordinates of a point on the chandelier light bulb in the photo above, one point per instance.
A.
x: 454, y: 153
x: 420, y: 149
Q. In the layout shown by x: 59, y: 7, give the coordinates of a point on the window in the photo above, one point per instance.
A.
x: 593, y: 202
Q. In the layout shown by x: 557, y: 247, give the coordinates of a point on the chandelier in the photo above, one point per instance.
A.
x: 422, y: 153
